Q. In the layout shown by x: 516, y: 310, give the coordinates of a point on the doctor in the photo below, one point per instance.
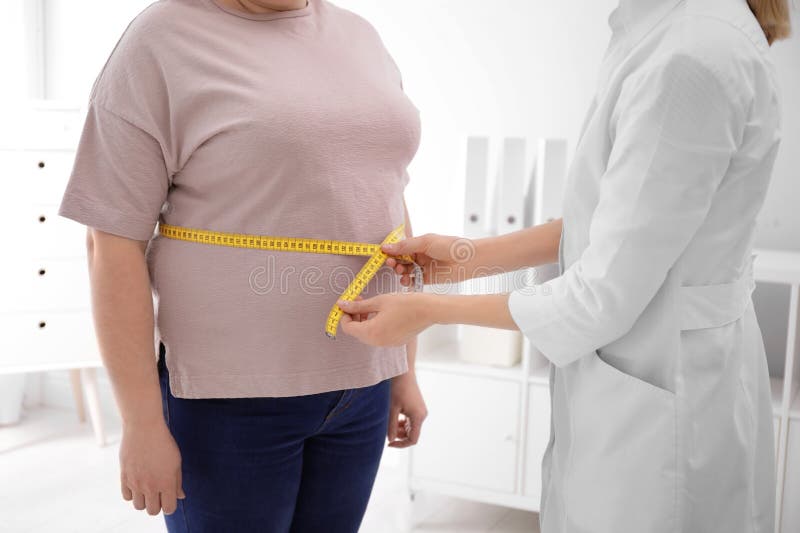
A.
x: 661, y: 412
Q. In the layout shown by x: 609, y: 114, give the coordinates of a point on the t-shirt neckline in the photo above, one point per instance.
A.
x: 292, y: 13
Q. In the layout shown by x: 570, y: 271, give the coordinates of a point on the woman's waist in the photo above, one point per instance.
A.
x: 181, y: 267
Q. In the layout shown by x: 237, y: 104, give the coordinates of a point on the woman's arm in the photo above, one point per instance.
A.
x: 123, y: 315
x: 122, y: 306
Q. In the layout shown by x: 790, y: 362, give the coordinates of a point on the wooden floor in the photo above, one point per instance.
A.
x: 55, y: 479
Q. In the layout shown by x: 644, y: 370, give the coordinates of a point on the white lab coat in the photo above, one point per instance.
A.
x: 661, y: 410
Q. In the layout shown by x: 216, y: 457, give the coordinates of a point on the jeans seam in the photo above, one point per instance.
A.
x: 183, y: 513
x: 337, y: 408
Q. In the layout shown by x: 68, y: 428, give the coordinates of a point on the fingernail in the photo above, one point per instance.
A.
x: 389, y: 247
x: 343, y: 303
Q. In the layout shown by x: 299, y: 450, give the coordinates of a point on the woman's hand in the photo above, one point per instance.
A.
x: 407, y: 411
x: 150, y: 465
x: 393, y: 319
x: 443, y: 259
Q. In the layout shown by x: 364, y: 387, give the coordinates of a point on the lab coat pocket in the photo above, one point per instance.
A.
x: 622, y: 474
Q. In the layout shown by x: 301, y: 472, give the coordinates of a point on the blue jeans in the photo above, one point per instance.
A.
x: 301, y: 464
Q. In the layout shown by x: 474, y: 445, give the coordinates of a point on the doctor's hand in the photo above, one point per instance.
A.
x: 407, y: 411
x: 443, y: 259
x: 386, y: 320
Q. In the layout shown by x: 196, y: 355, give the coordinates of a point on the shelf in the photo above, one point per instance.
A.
x: 444, y: 358
x: 777, y: 266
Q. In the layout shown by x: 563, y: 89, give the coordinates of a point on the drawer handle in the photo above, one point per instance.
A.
x: 41, y: 164
x: 42, y: 271
x: 42, y: 324
x: 42, y: 218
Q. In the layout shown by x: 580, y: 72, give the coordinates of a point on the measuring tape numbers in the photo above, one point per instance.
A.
x: 315, y: 246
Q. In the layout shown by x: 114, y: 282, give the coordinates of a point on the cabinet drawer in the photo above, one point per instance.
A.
x: 36, y: 176
x: 46, y: 339
x: 42, y: 233
x: 43, y: 124
x: 538, y: 436
x: 46, y: 284
x: 471, y: 434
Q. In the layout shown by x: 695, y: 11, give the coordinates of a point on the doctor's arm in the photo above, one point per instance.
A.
x: 446, y: 259
x: 674, y: 131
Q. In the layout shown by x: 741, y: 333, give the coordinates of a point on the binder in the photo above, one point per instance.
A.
x: 551, y: 172
x: 510, y: 199
x: 476, y: 219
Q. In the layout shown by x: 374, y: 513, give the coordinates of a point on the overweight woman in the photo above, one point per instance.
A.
x: 661, y: 411
x: 271, y: 117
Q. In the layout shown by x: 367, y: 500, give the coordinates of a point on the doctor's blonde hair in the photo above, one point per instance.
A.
x: 773, y: 16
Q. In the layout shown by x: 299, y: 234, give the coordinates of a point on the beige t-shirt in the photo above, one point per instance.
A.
x: 289, y: 124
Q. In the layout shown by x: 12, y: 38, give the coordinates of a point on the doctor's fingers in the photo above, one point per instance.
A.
x: 360, y: 317
x: 370, y: 305
x: 405, y: 271
x: 410, y: 246
x: 355, y: 328
x: 398, y: 267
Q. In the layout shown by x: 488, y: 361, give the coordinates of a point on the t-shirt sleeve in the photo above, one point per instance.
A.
x: 119, y: 179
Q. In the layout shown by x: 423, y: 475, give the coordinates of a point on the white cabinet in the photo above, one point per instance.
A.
x: 46, y: 284
x: 487, y: 429
x: 48, y: 340
x: 45, y: 311
x: 38, y: 174
x: 41, y: 232
x: 473, y: 423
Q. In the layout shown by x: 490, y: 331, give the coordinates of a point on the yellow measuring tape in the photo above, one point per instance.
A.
x: 313, y: 246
